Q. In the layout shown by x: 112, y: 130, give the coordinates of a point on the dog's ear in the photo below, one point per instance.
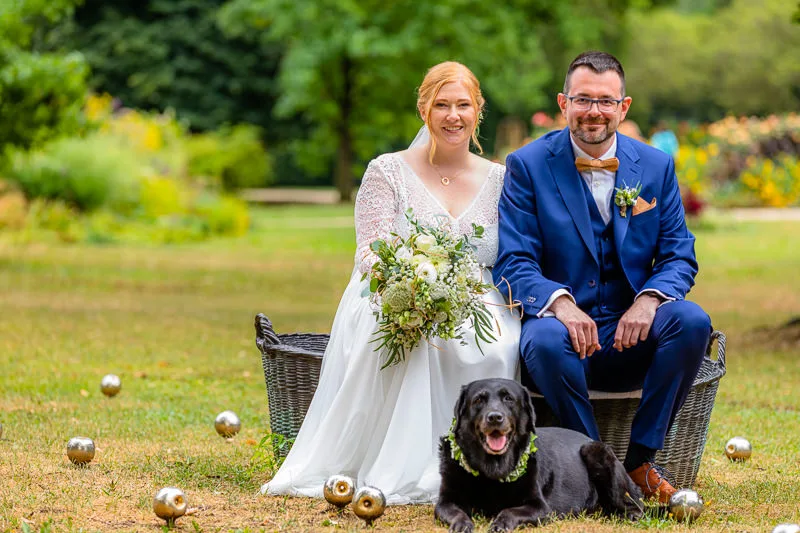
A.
x: 527, y: 404
x: 461, y: 404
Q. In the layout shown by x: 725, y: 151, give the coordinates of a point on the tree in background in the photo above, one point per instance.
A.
x: 739, y: 59
x: 41, y: 89
x: 170, y: 54
x: 157, y: 54
x: 350, y: 66
x: 568, y: 28
x: 342, y: 63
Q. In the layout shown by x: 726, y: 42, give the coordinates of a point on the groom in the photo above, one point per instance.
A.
x: 594, y: 244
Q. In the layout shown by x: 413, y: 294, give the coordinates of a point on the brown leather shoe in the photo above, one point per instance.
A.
x: 650, y: 478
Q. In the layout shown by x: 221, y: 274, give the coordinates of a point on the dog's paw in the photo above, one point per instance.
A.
x: 463, y: 525
x: 634, y: 510
x: 503, y: 523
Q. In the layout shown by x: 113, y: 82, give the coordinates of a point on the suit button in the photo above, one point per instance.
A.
x: 592, y: 283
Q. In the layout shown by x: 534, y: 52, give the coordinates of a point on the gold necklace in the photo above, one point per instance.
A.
x: 444, y: 179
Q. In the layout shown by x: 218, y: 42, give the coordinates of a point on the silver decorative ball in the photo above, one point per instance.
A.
x: 110, y: 385
x: 227, y: 424
x: 686, y: 505
x: 169, y: 504
x: 80, y: 450
x: 338, y: 490
x: 786, y: 528
x: 369, y: 503
x: 738, y: 449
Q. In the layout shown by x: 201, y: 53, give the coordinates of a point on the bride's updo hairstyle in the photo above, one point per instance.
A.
x: 439, y: 75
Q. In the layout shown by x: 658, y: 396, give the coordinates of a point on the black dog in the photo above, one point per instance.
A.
x: 485, y: 468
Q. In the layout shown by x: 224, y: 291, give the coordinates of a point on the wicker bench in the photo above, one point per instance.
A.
x: 292, y: 363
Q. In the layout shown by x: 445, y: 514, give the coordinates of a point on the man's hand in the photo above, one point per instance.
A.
x: 634, y: 326
x: 582, y: 329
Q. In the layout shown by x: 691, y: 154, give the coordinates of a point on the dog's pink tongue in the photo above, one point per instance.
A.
x: 496, y: 443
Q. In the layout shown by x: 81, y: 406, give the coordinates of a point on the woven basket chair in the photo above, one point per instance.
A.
x: 291, y: 370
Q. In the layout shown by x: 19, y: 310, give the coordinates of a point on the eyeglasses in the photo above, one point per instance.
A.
x: 583, y: 103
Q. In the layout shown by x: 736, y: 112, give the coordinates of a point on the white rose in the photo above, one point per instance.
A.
x: 403, y: 253
x: 426, y: 272
x: 418, y: 259
x: 424, y: 242
x: 476, y: 275
x: 442, y: 265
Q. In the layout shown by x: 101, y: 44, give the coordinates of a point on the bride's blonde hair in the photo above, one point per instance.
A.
x: 439, y: 75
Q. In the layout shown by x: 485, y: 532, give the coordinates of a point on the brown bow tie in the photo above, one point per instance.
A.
x: 585, y: 164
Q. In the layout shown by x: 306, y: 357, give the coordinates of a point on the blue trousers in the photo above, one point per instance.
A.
x: 663, y: 366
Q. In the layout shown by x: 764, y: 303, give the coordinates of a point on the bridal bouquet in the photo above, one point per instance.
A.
x: 427, y: 285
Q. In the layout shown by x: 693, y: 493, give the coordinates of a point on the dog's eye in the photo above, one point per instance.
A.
x: 507, y: 398
x: 479, y: 400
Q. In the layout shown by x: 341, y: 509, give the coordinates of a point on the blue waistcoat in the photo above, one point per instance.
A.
x: 613, y: 294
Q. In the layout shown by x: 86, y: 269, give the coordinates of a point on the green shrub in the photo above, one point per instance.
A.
x: 13, y: 207
x: 173, y: 205
x: 233, y: 157
x: 86, y: 173
x: 40, y: 96
x: 163, y: 196
x: 57, y: 217
x: 223, y: 215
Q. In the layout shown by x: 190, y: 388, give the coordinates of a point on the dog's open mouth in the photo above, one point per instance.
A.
x: 495, y: 442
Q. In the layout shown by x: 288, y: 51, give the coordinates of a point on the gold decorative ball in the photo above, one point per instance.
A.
x: 169, y: 504
x: 338, y: 490
x: 110, y: 385
x: 738, y: 449
x: 227, y: 424
x: 686, y: 505
x: 80, y: 450
x: 369, y: 503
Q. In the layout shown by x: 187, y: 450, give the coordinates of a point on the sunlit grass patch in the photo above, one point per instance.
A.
x: 176, y: 324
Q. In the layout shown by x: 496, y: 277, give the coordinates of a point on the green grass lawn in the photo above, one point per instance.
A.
x: 176, y: 324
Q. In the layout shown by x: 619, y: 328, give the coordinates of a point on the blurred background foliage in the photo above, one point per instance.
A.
x: 141, y: 119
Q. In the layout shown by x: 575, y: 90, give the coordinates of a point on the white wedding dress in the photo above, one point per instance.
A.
x: 382, y: 427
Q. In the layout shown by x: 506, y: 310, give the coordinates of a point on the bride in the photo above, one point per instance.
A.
x: 382, y: 427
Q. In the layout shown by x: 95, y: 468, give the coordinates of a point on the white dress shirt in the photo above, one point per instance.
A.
x: 599, y: 180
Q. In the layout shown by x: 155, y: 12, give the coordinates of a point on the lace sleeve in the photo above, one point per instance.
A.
x: 375, y: 211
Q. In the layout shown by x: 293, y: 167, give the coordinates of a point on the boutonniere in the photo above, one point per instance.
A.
x: 626, y: 196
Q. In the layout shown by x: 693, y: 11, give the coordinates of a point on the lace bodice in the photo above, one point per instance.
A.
x: 390, y: 187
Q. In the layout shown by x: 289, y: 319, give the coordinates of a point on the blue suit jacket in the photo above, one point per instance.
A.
x: 546, y: 239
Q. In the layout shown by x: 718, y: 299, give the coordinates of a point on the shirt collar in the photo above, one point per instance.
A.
x: 612, y: 151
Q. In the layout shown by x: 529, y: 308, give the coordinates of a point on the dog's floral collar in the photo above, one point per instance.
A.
x: 522, y: 465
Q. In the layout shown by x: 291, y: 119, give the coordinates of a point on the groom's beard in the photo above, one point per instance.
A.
x: 598, y: 135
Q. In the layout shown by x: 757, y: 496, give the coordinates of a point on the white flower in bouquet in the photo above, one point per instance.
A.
x: 403, y: 253
x: 439, y: 292
x: 424, y: 242
x: 417, y: 259
x: 398, y: 297
x: 476, y: 275
x: 427, y: 286
x: 427, y: 272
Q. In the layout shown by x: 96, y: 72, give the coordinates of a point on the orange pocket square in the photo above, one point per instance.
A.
x: 642, y: 206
